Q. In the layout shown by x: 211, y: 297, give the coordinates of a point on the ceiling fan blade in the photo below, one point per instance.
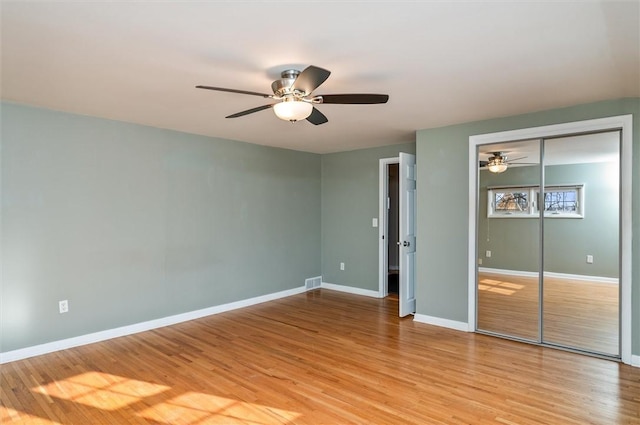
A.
x: 234, y: 91
x: 317, y: 117
x: 483, y: 163
x: 355, y: 99
x: 310, y: 79
x: 516, y: 159
x: 250, y: 111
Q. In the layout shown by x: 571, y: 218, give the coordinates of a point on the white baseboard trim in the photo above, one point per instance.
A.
x: 351, y: 290
x: 508, y: 272
x: 550, y: 274
x: 599, y: 279
x: 445, y: 323
x: 50, y: 347
x: 635, y: 360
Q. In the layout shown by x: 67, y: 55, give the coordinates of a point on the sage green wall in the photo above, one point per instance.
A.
x: 132, y: 223
x: 443, y: 202
x: 350, y: 192
x: 514, y: 242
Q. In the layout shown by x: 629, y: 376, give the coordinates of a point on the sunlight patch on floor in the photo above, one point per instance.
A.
x: 110, y: 393
x: 197, y: 408
x: 8, y: 415
x: 100, y: 390
x: 499, y: 286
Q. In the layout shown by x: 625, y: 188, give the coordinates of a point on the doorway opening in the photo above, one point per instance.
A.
x: 393, y: 229
x: 389, y: 250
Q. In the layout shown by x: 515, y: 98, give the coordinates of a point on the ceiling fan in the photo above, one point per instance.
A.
x: 498, y: 163
x: 293, y: 93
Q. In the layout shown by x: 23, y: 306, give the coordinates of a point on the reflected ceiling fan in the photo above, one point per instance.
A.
x: 498, y: 162
x: 293, y: 93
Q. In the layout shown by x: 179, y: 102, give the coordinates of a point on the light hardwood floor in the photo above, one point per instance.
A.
x: 577, y: 313
x: 322, y: 357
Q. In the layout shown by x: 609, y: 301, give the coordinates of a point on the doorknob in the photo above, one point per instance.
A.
x: 405, y: 243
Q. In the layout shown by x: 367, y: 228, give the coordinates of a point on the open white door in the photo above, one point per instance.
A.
x: 407, y: 235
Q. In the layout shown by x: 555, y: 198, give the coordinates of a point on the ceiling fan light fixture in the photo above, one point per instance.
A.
x: 292, y: 110
x: 497, y: 165
x: 294, y: 99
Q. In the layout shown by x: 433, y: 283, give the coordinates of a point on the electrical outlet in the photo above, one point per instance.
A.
x: 341, y: 266
x: 480, y: 261
x: 488, y: 254
x: 63, y: 306
x: 374, y: 222
x: 590, y: 259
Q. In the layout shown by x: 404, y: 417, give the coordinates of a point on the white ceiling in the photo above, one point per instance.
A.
x: 441, y: 62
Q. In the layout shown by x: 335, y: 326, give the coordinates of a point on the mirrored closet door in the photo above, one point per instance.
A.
x: 548, y: 237
x: 509, y: 239
x: 581, y: 229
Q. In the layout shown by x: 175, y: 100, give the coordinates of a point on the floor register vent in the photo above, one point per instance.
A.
x: 313, y: 282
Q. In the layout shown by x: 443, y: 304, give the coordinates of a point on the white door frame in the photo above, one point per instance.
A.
x: 623, y: 122
x: 383, y: 225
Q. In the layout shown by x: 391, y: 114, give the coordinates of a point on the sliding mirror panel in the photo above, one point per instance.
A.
x: 508, y: 239
x: 581, y: 239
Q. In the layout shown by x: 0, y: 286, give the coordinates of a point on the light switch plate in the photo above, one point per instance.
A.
x: 374, y: 222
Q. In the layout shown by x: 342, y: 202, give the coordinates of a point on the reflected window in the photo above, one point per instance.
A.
x: 511, y: 201
x: 564, y: 201
x: 560, y: 201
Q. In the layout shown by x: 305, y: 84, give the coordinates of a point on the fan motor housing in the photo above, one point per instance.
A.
x: 282, y: 87
x: 497, y: 156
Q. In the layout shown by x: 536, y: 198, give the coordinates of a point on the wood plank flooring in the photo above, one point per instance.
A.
x: 322, y: 357
x: 577, y: 313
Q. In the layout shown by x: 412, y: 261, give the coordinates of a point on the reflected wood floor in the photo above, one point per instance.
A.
x: 321, y: 357
x: 577, y: 313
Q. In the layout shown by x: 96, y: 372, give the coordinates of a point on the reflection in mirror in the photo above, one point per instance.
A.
x: 508, y: 239
x: 581, y: 242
